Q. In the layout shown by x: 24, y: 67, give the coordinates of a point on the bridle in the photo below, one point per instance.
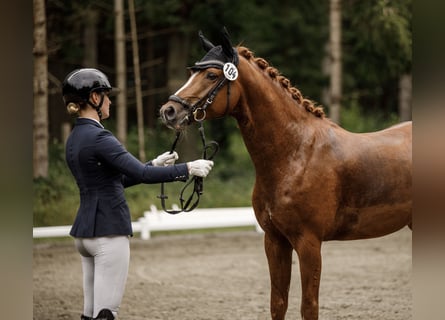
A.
x: 198, y: 110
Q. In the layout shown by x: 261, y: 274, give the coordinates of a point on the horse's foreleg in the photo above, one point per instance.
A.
x: 309, y: 253
x: 279, y: 257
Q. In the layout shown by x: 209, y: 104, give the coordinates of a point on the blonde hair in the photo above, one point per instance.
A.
x: 73, y: 108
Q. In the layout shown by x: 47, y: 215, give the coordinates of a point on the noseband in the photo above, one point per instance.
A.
x: 198, y: 110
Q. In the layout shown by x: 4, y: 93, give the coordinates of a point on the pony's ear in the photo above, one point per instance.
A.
x: 206, y: 44
x: 227, y: 44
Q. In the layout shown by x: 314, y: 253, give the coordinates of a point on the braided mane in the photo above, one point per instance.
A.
x: 285, y: 83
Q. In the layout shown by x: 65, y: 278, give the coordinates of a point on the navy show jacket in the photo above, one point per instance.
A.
x: 102, y: 168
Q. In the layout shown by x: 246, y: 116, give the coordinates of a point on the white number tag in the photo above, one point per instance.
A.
x: 230, y: 71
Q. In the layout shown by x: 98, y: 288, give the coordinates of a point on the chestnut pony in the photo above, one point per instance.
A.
x: 314, y: 180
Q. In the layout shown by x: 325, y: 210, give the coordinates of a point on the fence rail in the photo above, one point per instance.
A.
x: 156, y: 220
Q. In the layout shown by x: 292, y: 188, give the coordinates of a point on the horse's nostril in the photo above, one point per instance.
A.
x: 170, y: 113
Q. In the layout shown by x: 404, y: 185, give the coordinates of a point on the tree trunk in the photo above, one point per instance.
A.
x: 151, y: 75
x: 121, y: 72
x: 90, y: 38
x: 326, y: 71
x: 40, y: 118
x: 137, y: 81
x: 336, y: 63
x: 405, y: 95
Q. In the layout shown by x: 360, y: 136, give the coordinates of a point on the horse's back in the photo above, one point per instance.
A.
x: 404, y: 126
x: 394, y: 143
x: 403, y: 129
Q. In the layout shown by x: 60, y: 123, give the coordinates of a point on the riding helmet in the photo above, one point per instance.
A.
x: 80, y: 83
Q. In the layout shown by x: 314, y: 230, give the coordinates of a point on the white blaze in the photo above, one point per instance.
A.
x: 186, y: 84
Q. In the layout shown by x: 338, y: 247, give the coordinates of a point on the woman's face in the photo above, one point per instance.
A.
x: 105, y: 109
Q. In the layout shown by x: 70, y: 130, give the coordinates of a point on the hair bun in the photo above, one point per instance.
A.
x: 72, y: 108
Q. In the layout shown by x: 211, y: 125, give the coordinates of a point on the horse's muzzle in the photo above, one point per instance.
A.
x: 169, y: 113
x: 172, y: 117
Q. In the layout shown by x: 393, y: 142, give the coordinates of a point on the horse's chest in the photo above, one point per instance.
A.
x: 271, y: 200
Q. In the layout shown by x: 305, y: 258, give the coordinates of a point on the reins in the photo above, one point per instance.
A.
x: 199, y: 114
x: 198, y: 184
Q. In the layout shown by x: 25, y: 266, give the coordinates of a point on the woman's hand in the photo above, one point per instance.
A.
x: 165, y: 159
x: 200, y: 168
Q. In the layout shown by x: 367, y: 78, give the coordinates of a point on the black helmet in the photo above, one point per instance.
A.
x: 79, y: 84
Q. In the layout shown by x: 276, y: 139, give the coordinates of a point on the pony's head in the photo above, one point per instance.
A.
x: 211, y: 90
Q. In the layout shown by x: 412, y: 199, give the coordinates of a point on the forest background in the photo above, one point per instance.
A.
x: 293, y: 36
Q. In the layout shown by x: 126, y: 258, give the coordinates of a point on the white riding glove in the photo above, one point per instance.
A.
x: 165, y: 159
x: 200, y: 168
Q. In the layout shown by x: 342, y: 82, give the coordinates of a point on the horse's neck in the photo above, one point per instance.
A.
x: 271, y: 123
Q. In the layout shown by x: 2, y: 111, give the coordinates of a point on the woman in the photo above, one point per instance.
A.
x: 102, y: 168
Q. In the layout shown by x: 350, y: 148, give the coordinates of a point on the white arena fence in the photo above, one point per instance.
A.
x: 158, y: 220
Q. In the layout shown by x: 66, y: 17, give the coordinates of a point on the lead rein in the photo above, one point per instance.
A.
x: 198, y: 184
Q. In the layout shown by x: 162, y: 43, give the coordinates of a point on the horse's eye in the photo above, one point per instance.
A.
x: 211, y: 76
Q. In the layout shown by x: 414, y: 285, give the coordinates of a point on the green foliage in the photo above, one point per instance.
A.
x: 55, y: 199
x: 353, y: 119
x: 380, y: 30
x: 291, y: 36
x: 161, y: 14
x: 377, y: 50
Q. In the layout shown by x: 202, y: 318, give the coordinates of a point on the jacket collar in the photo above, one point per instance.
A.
x: 80, y: 121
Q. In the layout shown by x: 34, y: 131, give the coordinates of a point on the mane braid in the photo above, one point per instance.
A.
x: 284, y: 82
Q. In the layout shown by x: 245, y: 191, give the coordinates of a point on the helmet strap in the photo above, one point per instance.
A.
x: 97, y: 107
